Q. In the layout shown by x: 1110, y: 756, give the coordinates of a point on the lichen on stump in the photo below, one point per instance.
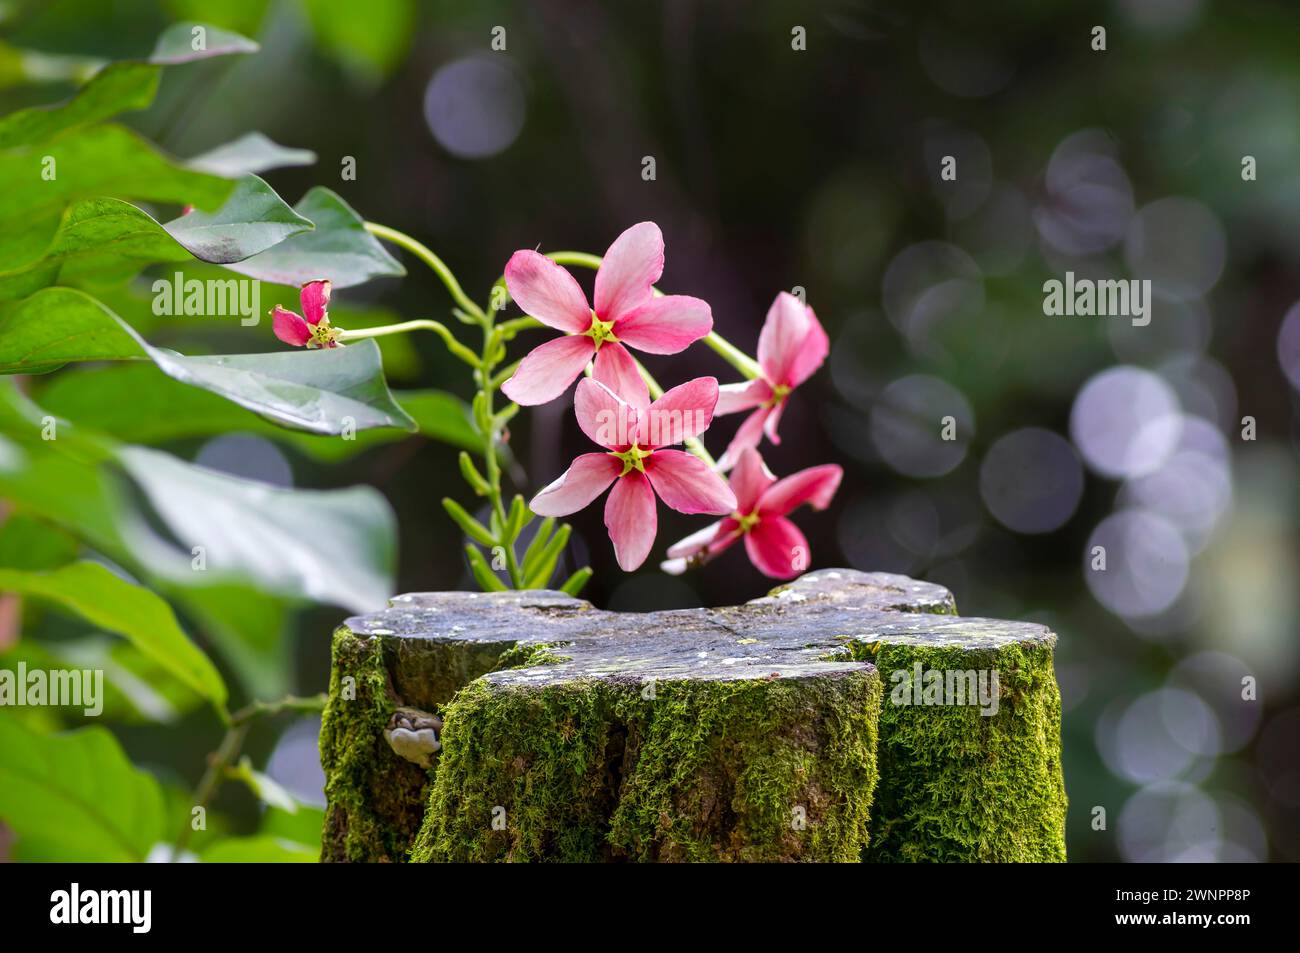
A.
x: 756, y: 732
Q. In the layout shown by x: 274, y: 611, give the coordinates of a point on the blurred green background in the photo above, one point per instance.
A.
x: 819, y: 168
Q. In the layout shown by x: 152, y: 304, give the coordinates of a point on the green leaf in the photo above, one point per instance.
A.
x: 162, y: 409
x: 109, y: 240
x: 371, y: 38
x: 535, y: 548
x: 104, y: 161
x: 304, y: 826
x: 472, y: 476
x: 326, y: 391
x: 483, y: 574
x: 249, y: 627
x: 339, y: 248
x: 259, y: 849
x: 106, y: 600
x: 78, y: 793
x: 187, y: 42
x: 332, y: 546
x: 472, y: 527
x: 544, y: 567
x: 27, y: 543
x: 252, y: 220
x: 136, y: 689
x: 573, y: 585
x: 118, y: 88
x: 250, y: 153
x: 267, y: 789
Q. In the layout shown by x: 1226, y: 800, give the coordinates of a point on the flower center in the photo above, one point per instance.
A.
x: 747, y: 521
x: 601, y: 331
x: 779, y: 393
x: 323, y: 334
x: 633, y: 458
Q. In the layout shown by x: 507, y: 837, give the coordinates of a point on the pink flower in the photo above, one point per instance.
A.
x: 635, y: 433
x: 626, y: 313
x: 791, y: 346
x: 774, y: 544
x: 313, y: 331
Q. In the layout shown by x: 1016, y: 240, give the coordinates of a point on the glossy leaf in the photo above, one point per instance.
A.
x: 332, y: 546
x: 252, y: 220
x: 110, y: 602
x: 186, y: 42
x: 339, y: 248
x: 162, y: 409
x: 102, y: 161
x: 109, y: 240
x: 318, y: 391
x: 250, y: 153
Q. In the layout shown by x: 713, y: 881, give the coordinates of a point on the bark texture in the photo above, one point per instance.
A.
x: 806, y: 725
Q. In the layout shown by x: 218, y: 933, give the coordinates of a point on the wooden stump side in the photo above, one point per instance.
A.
x: 755, y: 732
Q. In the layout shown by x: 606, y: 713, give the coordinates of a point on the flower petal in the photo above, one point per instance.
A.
x: 748, y: 436
x: 629, y: 270
x: 697, y: 541
x: 315, y: 299
x: 685, y: 411
x: 665, y: 325
x: 742, y: 396
x: 812, y: 352
x: 773, y: 421
x: 631, y: 520
x: 701, y: 547
x: 777, y: 548
x: 290, y: 327
x: 548, y: 369
x: 604, y: 418
x: 547, y: 292
x: 815, y: 486
x: 616, y: 369
x: 784, y: 330
x: 585, y: 480
x: 688, y: 484
x: 749, y: 480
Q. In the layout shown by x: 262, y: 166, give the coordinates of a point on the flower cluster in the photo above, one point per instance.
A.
x: 637, y: 461
x: 614, y: 409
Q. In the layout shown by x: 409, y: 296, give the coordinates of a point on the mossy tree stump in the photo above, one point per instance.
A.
x: 806, y: 725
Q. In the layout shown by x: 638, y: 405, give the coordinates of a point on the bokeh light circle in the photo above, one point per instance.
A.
x: 907, y: 426
x: 474, y: 107
x: 1146, y: 563
x: 1125, y: 421
x: 1031, y: 480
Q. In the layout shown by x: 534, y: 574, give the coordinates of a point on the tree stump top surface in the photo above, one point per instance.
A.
x: 806, y: 628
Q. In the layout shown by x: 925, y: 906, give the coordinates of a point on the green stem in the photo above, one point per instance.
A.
x: 220, y: 761
x: 420, y: 324
x: 733, y: 355
x: 489, y: 425
x: 439, y: 267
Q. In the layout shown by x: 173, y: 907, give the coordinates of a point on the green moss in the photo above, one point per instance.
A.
x: 374, y: 796
x: 754, y: 770
x: 957, y: 785
x: 529, y: 655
